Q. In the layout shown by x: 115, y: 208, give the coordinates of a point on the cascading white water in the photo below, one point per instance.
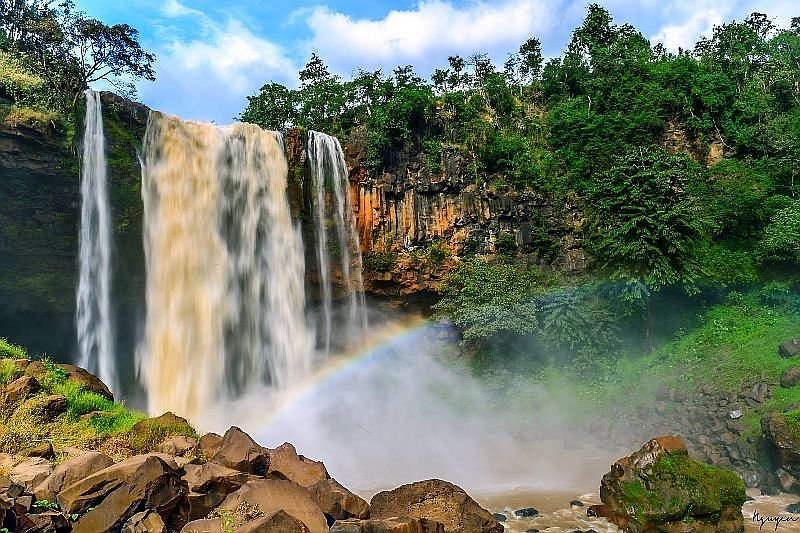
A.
x: 93, y: 313
x: 327, y: 163
x: 225, y: 270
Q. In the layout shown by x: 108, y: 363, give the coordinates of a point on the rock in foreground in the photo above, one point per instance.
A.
x: 660, y: 488
x: 435, y: 500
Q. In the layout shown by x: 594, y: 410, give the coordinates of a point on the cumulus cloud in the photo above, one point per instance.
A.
x: 427, y: 33
x: 208, y: 66
x: 685, y: 35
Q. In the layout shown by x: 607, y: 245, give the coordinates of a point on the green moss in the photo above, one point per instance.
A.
x: 682, y: 489
x: 148, y: 433
x: 793, y: 422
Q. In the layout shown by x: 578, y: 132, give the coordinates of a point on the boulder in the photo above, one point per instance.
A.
x: 336, y: 502
x: 782, y: 433
x: 435, y: 500
x: 43, y: 450
x: 20, y: 389
x: 76, y: 374
x: 790, y: 377
x: 147, y: 434
x: 205, y: 525
x: 272, y: 495
x: 789, y: 348
x: 284, y: 463
x: 240, y: 452
x: 71, y: 471
x: 30, y: 472
x: 278, y: 522
x: 388, y: 525
x: 178, y: 445
x: 91, y: 490
x: 660, y: 488
x: 209, y: 445
x: 9, y: 489
x: 153, y: 485
x: 209, y: 484
x: 52, y: 406
x: 147, y: 521
x: 47, y: 522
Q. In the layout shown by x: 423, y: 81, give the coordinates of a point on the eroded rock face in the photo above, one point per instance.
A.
x: 31, y: 472
x: 388, y: 525
x: 209, y: 484
x: 435, y: 500
x: 782, y: 434
x: 273, y: 495
x: 659, y: 488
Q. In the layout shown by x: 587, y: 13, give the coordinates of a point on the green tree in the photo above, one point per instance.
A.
x: 645, y: 229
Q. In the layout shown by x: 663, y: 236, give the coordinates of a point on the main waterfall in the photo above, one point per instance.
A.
x: 225, y: 269
x: 93, y: 311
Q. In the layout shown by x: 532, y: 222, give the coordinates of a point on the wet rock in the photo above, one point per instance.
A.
x: 154, y: 485
x: 20, y: 389
x: 790, y: 377
x: 71, y: 471
x: 240, y: 452
x: 576, y: 503
x: 656, y: 488
x: 284, y: 463
x: 273, y: 495
x: 526, y: 512
x: 793, y: 508
x: 435, y: 500
x: 336, y: 502
x: 500, y: 517
x: 145, y: 522
x: 388, y: 525
x: 787, y: 481
x: 31, y: 472
x: 779, y: 430
x: 789, y: 348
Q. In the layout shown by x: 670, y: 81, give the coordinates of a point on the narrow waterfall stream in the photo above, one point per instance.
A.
x: 95, y: 331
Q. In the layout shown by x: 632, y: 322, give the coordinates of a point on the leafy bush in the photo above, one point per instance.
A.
x: 379, y: 261
x: 781, y: 240
x: 506, y: 244
x: 11, y: 351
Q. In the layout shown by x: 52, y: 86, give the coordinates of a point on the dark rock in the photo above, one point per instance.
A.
x: 790, y: 377
x: 9, y: 489
x: 47, y: 522
x: 793, y: 508
x: 209, y: 484
x: 177, y: 445
x: 576, y: 503
x: 44, y: 450
x: 526, y: 512
x: 240, y: 452
x: 435, y: 500
x: 779, y: 431
x: 500, y: 517
x: 278, y: 522
x: 147, y: 521
x: 789, y: 348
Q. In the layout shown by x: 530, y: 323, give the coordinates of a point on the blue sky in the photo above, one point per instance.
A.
x: 212, y: 54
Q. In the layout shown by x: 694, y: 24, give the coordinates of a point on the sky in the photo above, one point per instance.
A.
x: 211, y: 55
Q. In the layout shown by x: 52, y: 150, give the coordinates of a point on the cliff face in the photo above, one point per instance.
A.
x: 39, y: 220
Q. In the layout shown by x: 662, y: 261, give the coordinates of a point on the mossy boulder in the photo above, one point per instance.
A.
x: 660, y: 488
x: 782, y: 434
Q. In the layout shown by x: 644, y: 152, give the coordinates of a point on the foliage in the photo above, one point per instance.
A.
x: 506, y: 244
x: 781, y: 240
x: 379, y: 261
x: 11, y: 351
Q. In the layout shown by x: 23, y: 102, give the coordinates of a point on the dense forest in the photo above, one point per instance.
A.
x: 683, y: 164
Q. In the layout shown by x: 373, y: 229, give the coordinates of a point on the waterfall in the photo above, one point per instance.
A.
x: 93, y: 310
x: 225, y: 269
x: 328, y: 165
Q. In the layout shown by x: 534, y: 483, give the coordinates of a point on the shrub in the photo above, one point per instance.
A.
x: 379, y: 261
x: 11, y: 351
x: 506, y: 244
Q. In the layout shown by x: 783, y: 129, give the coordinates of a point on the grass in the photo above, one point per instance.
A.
x: 91, y: 420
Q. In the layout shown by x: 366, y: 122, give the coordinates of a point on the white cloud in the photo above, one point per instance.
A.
x: 686, y: 34
x: 429, y: 32
x: 209, y: 66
